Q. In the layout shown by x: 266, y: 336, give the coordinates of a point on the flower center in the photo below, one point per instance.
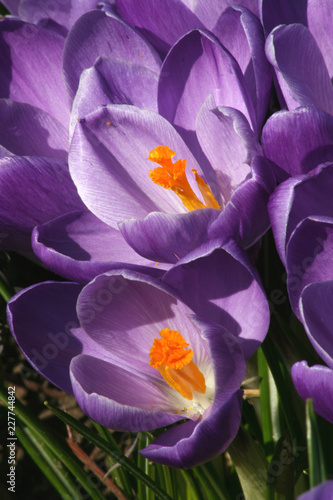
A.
x: 172, y: 176
x: 174, y: 362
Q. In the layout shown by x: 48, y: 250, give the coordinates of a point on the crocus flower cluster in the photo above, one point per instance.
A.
x: 131, y: 164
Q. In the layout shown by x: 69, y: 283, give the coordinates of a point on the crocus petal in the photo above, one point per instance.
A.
x: 113, y: 310
x: 210, y: 10
x: 125, y: 403
x: 98, y: 33
x: 54, y: 338
x: 306, y: 135
x: 197, y: 66
x: 229, y: 144
x: 309, y: 256
x: 193, y: 443
x: 168, y: 238
x: 322, y: 491
x: 240, y: 31
x: 161, y: 22
x: 111, y: 81
x: 35, y: 190
x: 300, y: 67
x: 117, y: 140
x: 273, y: 13
x: 316, y: 315
x: 297, y: 198
x: 315, y: 382
x: 64, y: 13
x: 29, y: 131
x: 26, y: 73
x: 245, y: 217
x: 320, y: 20
x: 79, y: 246
x: 236, y: 301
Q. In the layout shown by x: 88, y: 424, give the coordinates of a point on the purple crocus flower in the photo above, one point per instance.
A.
x: 131, y: 77
x: 301, y: 213
x: 302, y: 57
x: 137, y: 358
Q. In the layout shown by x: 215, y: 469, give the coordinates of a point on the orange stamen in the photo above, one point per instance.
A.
x: 172, y: 176
x: 174, y: 362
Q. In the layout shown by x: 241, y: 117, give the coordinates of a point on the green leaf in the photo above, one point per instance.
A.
x: 104, y: 445
x: 57, y: 447
x: 48, y: 464
x: 315, y: 452
x: 251, y: 465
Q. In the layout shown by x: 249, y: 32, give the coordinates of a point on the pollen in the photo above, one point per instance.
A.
x: 171, y: 357
x: 172, y: 176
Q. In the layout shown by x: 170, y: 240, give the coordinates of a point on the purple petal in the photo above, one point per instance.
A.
x: 168, y: 238
x: 27, y: 74
x: 100, y: 34
x: 162, y: 23
x: 297, y: 198
x: 49, y: 341
x: 237, y: 302
x: 109, y: 165
x: 315, y: 382
x: 29, y: 131
x: 316, y: 315
x: 307, y: 138
x: 111, y: 81
x: 241, y: 33
x: 229, y: 144
x: 309, y: 256
x: 197, y: 66
x: 193, y: 443
x: 64, y: 13
x: 118, y: 398
x: 245, y: 217
x: 321, y: 492
x: 320, y: 20
x: 300, y: 67
x: 274, y: 13
x: 125, y: 311
x: 33, y: 190
x: 79, y: 246
x: 210, y: 10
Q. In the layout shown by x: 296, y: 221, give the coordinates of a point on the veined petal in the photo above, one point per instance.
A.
x: 79, y: 246
x: 309, y: 256
x: 98, y: 33
x: 117, y: 141
x: 113, y: 310
x: 29, y: 131
x: 26, y: 74
x: 315, y: 382
x: 240, y: 31
x: 237, y: 302
x: 297, y: 198
x: 299, y: 140
x: 35, y: 190
x: 300, y: 67
x: 113, y: 81
x: 168, y: 238
x: 316, y: 315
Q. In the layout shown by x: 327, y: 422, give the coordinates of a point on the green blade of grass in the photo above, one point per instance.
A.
x: 48, y: 464
x: 58, y: 448
x: 317, y: 467
x: 265, y: 404
x: 116, y: 454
